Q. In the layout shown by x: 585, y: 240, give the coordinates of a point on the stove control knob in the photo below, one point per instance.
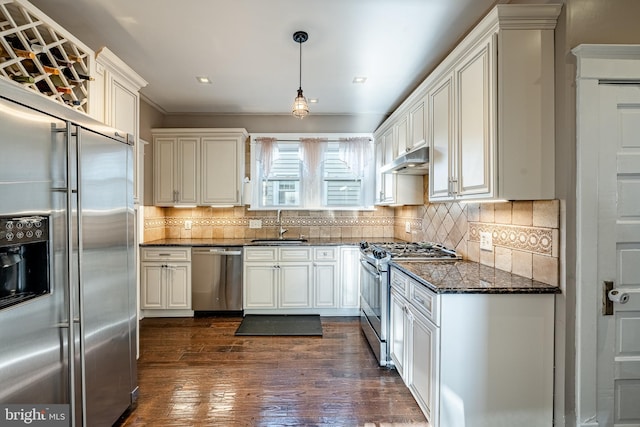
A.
x: 379, y: 253
x: 364, y: 245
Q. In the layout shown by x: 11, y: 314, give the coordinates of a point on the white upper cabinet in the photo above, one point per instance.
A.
x: 417, y: 129
x: 221, y: 159
x: 486, y: 112
x: 401, y: 129
x: 395, y: 189
x: 441, y: 147
x: 491, y: 109
x: 198, y: 166
x: 119, y: 103
x: 474, y: 118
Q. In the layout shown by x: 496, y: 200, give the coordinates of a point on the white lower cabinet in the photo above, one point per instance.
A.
x: 349, y: 268
x: 260, y: 284
x: 474, y: 360
x: 294, y: 280
x: 413, y: 348
x: 166, y: 282
x: 422, y: 339
x: 399, y: 324
x: 294, y: 285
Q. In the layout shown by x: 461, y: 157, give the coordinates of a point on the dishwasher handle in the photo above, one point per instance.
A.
x: 216, y: 252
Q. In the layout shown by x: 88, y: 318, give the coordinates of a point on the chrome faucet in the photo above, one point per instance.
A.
x: 279, y: 221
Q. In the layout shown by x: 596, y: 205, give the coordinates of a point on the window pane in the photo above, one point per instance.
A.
x: 282, y: 186
x: 343, y: 193
x: 281, y: 193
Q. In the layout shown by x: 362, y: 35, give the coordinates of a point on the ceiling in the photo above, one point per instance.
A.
x: 246, y: 48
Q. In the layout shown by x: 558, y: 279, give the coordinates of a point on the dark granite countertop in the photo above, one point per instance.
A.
x: 447, y: 277
x: 330, y: 241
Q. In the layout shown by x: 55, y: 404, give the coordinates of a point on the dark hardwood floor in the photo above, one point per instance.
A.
x: 195, y: 372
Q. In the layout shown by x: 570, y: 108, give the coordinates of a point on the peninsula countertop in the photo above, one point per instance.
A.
x: 457, y: 277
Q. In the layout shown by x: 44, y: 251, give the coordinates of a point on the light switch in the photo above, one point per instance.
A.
x: 407, y: 227
x: 255, y: 223
x: 187, y: 224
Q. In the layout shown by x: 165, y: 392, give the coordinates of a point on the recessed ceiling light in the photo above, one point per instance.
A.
x: 359, y: 80
x: 203, y: 79
x: 313, y: 100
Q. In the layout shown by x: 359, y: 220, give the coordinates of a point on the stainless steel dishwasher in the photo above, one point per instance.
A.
x: 216, y: 279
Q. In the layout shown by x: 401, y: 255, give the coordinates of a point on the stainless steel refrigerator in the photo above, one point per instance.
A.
x: 68, y: 328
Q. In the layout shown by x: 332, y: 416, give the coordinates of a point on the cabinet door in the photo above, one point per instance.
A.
x: 402, y: 135
x: 124, y: 114
x: 388, y: 180
x: 187, y: 169
x: 178, y: 286
x: 164, y: 171
x: 153, y: 278
x: 474, y: 111
x: 417, y: 120
x: 441, y: 140
x: 325, y: 281
x: 295, y: 285
x: 397, y: 333
x: 379, y: 163
x: 350, y: 277
x: 423, y: 347
x: 260, y: 286
x: 220, y: 165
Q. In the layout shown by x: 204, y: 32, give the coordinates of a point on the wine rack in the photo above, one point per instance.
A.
x: 38, y: 54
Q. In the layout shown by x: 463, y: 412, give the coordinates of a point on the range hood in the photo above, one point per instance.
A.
x: 414, y: 162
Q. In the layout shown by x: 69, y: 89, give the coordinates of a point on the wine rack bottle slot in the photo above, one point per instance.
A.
x: 38, y: 55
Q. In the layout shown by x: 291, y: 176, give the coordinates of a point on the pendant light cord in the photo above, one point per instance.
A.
x: 300, y: 56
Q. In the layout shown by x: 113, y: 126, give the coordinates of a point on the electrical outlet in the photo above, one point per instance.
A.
x: 486, y: 241
x: 187, y: 224
x: 407, y: 227
x: 255, y: 223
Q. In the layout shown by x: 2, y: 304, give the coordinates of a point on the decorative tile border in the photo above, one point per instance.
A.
x: 291, y: 221
x: 531, y: 239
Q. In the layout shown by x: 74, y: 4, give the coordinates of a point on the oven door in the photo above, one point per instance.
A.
x: 371, y: 295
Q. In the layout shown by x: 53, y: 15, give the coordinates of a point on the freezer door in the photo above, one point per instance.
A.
x: 107, y: 276
x: 33, y: 334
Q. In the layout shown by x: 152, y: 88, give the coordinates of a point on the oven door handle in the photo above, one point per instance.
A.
x: 370, y: 269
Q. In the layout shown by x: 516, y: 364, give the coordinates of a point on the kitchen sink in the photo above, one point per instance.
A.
x: 277, y: 241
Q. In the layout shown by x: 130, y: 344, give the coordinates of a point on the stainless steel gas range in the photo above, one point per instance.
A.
x: 375, y: 287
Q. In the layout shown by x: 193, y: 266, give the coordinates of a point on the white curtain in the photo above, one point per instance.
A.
x: 312, y: 153
x: 356, y: 153
x: 267, y: 154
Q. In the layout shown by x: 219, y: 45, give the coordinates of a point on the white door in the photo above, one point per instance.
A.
x: 618, y: 377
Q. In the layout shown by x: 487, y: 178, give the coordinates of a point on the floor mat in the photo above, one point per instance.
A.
x: 261, y: 324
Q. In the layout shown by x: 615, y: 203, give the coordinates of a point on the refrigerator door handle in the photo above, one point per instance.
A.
x: 79, y: 227
x: 71, y: 332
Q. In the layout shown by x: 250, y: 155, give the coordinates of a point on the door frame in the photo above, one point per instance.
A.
x: 595, y: 63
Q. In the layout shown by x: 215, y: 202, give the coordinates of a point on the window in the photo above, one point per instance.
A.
x: 282, y: 185
x: 341, y: 186
x: 315, y: 173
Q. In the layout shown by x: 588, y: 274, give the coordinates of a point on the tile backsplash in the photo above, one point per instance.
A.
x: 525, y: 234
x: 233, y: 223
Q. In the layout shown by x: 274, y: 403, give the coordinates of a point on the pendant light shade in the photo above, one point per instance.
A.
x: 300, y: 107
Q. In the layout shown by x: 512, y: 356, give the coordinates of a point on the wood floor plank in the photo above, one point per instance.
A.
x: 196, y: 372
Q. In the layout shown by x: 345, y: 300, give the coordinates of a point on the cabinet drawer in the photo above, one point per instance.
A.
x: 166, y: 254
x: 325, y: 253
x: 424, y: 301
x: 261, y: 254
x: 400, y: 282
x: 295, y: 254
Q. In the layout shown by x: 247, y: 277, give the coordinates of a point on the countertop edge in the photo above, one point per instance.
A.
x: 536, y: 288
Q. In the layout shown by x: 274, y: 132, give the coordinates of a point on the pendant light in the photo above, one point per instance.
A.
x: 300, y: 106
